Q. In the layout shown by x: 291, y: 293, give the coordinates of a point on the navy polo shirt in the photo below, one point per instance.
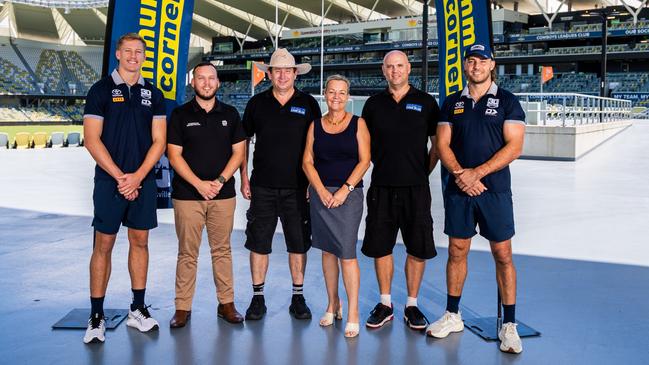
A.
x: 477, y: 131
x: 206, y: 139
x: 280, y: 132
x: 400, y: 133
x: 127, y: 114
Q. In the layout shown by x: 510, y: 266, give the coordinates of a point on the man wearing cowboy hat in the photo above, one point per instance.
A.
x: 279, y: 118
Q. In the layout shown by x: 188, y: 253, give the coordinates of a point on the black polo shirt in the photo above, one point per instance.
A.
x: 127, y: 114
x: 280, y: 138
x: 477, y: 131
x: 400, y: 133
x: 206, y: 139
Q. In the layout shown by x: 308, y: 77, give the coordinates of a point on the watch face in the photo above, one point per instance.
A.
x: 350, y: 187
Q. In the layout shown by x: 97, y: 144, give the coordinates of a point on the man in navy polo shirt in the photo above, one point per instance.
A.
x: 480, y: 133
x: 401, y: 121
x: 279, y: 118
x: 124, y: 127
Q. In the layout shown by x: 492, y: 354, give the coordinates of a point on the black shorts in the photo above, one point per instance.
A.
x: 292, y: 209
x: 392, y: 208
x: 112, y: 209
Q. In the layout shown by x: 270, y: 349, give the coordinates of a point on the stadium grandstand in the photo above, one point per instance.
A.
x: 51, y: 52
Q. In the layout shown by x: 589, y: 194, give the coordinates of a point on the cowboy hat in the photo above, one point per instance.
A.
x: 281, y: 58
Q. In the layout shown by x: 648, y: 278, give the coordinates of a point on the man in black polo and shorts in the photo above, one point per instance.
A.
x: 400, y: 119
x: 481, y: 131
x: 279, y: 119
x: 124, y: 127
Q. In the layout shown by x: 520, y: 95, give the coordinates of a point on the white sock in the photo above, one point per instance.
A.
x: 412, y: 302
x: 386, y: 299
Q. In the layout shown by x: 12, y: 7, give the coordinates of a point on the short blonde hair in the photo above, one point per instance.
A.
x: 130, y: 37
x: 337, y: 77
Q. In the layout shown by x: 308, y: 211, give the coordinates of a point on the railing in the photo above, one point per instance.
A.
x: 549, y: 109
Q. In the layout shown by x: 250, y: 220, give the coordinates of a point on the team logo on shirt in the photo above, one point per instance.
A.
x: 415, y: 107
x: 493, y: 103
x: 146, y: 102
x: 491, y: 112
x: 298, y: 110
x: 224, y: 123
x: 145, y: 93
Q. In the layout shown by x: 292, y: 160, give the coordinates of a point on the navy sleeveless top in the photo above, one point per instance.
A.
x: 335, y: 155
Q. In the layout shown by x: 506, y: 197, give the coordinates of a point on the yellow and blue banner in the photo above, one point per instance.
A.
x: 460, y: 23
x: 165, y: 26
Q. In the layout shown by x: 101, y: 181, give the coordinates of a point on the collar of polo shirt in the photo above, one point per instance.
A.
x: 197, y: 108
x: 493, y: 90
x: 118, y: 80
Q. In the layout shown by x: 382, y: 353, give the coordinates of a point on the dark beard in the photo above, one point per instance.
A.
x: 204, y: 97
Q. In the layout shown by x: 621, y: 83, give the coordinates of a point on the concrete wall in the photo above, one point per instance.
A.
x: 567, y: 143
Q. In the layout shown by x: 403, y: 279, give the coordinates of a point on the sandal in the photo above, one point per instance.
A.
x: 351, y: 330
x: 328, y: 318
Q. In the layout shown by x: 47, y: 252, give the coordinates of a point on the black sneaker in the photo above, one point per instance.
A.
x: 414, y: 318
x: 298, y: 308
x: 257, y: 308
x: 380, y: 315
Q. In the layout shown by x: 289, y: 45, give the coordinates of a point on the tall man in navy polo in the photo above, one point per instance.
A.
x: 480, y: 133
x: 124, y: 127
x: 401, y: 120
x: 279, y: 119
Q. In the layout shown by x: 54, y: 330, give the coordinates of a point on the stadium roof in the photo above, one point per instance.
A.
x: 75, y: 22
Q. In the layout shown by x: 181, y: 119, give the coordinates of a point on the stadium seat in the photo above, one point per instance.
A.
x: 57, y: 139
x: 22, y: 140
x: 4, y: 140
x: 40, y: 140
x: 74, y: 139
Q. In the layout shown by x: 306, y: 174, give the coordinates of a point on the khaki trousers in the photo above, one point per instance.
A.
x: 191, y: 216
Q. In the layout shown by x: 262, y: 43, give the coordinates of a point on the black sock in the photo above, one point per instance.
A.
x: 453, y: 303
x: 298, y: 289
x: 138, y: 298
x: 97, y: 306
x: 258, y: 289
x: 510, y: 313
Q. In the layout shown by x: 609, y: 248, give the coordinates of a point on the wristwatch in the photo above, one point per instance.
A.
x: 350, y: 187
x: 220, y: 179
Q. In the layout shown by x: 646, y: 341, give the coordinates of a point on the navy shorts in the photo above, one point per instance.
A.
x: 292, y: 209
x: 113, y: 210
x: 492, y: 212
x: 390, y: 209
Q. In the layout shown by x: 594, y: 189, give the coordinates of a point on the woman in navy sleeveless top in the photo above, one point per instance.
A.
x: 336, y: 157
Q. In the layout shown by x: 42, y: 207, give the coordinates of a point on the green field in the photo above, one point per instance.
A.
x: 12, y: 130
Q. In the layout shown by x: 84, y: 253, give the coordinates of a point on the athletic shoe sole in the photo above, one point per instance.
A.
x: 295, y: 315
x: 414, y: 327
x: 380, y: 324
x: 154, y: 328
x: 459, y: 328
x: 510, y: 350
x: 94, y: 340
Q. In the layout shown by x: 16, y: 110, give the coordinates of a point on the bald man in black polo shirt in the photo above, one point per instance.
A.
x: 400, y: 119
x: 206, y: 143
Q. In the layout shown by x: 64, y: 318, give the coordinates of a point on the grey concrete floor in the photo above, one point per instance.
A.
x: 581, y: 253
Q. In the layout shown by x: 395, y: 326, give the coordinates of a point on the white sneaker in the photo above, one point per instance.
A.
x: 509, y: 339
x: 449, y: 322
x: 95, y: 331
x: 142, y: 320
